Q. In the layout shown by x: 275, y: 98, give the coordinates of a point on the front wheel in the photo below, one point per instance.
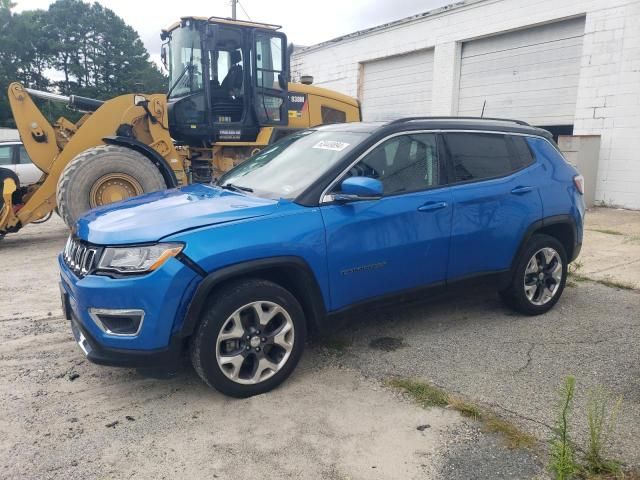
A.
x: 539, y: 276
x: 250, y: 338
x: 102, y: 175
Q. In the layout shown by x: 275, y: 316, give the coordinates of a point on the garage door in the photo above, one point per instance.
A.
x: 397, y: 86
x: 529, y: 74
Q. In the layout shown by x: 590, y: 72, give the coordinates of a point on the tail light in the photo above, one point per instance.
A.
x: 578, y: 181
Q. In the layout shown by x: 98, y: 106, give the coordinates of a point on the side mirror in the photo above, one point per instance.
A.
x: 163, y: 56
x: 359, y: 188
x: 282, y: 82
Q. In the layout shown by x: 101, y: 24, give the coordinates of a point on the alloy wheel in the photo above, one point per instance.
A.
x: 543, y: 276
x: 255, y: 342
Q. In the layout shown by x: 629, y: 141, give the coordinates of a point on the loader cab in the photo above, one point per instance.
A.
x: 227, y: 79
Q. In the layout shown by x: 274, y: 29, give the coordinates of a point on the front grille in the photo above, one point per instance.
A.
x: 80, y: 257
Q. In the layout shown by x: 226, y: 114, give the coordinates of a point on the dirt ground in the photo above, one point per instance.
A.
x: 67, y: 418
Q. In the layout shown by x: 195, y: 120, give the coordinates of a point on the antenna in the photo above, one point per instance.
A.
x: 233, y: 8
x: 483, y: 105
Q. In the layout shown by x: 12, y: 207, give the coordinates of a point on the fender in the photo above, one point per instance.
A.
x: 165, y: 170
x: 307, y: 288
x: 546, y: 222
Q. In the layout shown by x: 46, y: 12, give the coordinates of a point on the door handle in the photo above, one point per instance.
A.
x: 431, y: 206
x: 521, y: 190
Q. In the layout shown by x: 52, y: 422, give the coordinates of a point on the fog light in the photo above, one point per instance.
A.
x: 119, y: 322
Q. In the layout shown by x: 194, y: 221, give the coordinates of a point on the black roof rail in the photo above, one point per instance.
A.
x: 409, y: 119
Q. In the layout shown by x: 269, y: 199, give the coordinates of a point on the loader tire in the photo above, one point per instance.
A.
x: 102, y: 175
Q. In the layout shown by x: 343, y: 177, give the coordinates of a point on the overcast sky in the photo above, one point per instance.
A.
x: 305, y: 22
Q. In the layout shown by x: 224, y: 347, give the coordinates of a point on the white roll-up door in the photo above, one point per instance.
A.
x: 397, y: 86
x: 529, y: 74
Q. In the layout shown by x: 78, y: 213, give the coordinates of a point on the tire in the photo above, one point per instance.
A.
x: 129, y: 172
x: 244, y: 374
x: 537, y: 283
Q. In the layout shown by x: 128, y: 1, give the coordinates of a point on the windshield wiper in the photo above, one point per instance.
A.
x: 236, y: 188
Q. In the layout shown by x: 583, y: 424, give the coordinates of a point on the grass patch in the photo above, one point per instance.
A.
x: 515, y: 437
x: 427, y: 396
x: 574, y: 277
x: 422, y: 393
x: 609, y: 282
x: 605, y: 230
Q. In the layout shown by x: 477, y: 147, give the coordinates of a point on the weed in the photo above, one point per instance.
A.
x: 602, y: 424
x: 466, y: 409
x: 513, y: 435
x: 430, y: 396
x: 605, y: 230
x: 562, y: 462
x: 609, y: 282
x: 423, y: 393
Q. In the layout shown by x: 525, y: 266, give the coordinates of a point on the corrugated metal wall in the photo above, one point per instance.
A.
x: 397, y: 86
x: 529, y: 74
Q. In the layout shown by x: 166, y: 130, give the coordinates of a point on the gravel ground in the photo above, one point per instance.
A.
x: 473, y: 345
x: 64, y: 417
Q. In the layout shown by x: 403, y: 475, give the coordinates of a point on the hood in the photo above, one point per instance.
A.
x: 150, y: 217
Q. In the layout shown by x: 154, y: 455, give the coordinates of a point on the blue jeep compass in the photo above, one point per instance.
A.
x: 237, y: 273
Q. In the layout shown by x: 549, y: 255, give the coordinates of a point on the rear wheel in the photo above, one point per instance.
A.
x: 539, y: 276
x: 102, y: 175
x: 250, y: 338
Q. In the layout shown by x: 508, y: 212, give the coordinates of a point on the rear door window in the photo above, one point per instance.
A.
x: 477, y: 156
x: 6, y: 155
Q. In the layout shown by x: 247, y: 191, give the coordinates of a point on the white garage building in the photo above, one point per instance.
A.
x: 571, y: 66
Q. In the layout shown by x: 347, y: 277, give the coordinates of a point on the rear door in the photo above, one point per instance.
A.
x: 270, y: 78
x: 396, y: 243
x: 495, y: 199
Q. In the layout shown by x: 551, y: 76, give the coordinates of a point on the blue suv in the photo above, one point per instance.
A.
x: 237, y: 273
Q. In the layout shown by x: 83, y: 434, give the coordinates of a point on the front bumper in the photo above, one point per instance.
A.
x: 163, y: 295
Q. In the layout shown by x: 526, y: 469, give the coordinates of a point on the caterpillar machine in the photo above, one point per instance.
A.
x: 229, y: 97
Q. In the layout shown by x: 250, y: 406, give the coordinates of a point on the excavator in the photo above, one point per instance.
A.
x: 229, y: 97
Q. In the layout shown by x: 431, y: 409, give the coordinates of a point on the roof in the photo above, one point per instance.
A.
x: 229, y: 21
x: 442, y: 123
x: 385, y: 26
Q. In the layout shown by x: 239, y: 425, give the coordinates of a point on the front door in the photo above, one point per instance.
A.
x: 270, y: 69
x: 396, y: 243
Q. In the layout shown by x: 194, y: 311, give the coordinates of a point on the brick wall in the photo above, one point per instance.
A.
x: 608, y: 102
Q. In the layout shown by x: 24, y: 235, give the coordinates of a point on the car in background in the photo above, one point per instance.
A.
x: 324, y: 220
x: 14, y: 157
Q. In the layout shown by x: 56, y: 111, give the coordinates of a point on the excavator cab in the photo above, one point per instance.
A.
x: 227, y: 79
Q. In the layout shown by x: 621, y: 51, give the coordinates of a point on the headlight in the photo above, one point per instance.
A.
x: 137, y: 259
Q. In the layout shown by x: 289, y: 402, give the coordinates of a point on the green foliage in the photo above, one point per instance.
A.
x: 563, y: 463
x: 602, y: 418
x: 72, y: 48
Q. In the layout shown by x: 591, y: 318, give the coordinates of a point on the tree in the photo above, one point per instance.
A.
x: 72, y: 48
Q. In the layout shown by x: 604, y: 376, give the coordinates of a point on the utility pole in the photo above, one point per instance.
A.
x: 233, y: 8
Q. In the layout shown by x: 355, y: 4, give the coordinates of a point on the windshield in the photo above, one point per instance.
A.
x: 286, y: 168
x: 185, y: 59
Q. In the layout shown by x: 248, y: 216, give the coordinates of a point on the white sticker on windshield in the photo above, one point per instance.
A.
x: 331, y: 145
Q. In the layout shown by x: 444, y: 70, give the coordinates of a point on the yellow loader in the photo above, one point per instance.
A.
x: 229, y: 97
